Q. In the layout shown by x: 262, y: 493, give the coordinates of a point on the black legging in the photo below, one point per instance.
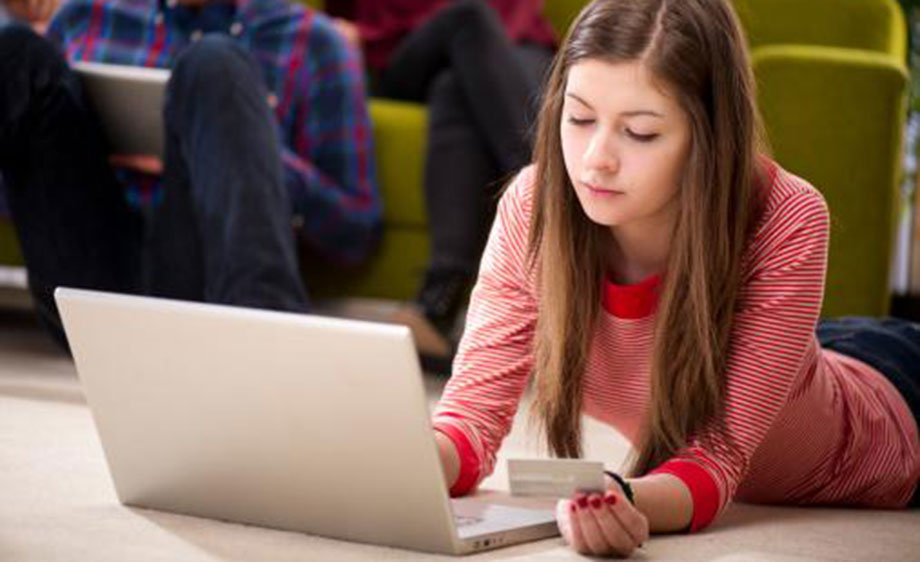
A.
x: 482, y: 91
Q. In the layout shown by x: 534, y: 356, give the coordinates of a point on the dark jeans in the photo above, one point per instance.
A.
x: 890, y: 345
x: 223, y: 231
x: 225, y: 220
x: 482, y: 93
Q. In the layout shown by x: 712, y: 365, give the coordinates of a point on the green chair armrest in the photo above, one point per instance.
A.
x: 400, y: 131
x: 9, y: 244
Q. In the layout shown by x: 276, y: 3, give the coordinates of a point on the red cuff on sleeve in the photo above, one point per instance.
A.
x: 469, y: 462
x: 702, y: 487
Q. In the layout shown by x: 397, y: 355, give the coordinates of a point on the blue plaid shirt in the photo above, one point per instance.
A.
x: 314, y: 79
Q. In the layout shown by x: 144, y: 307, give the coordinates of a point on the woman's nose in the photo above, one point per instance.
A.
x: 601, y: 153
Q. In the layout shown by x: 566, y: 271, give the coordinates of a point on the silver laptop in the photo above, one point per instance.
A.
x: 289, y: 421
x: 128, y: 101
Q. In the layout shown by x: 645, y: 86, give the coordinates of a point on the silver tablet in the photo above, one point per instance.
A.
x: 129, y: 103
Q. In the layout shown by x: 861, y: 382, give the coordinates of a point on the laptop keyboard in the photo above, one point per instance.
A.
x: 466, y: 520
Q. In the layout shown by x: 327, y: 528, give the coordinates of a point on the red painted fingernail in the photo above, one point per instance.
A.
x: 595, y: 502
x: 582, y: 501
x: 611, y: 499
x: 572, y: 507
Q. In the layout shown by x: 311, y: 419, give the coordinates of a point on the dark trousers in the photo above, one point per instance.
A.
x: 225, y: 220
x: 482, y: 93
x: 223, y: 231
x: 890, y: 345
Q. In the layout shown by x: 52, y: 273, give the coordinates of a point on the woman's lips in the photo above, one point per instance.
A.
x: 601, y: 191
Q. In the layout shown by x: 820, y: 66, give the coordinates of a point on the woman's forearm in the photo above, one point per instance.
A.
x: 665, y: 500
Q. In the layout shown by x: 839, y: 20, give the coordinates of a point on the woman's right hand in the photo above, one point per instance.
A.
x: 602, y: 525
x: 450, y: 460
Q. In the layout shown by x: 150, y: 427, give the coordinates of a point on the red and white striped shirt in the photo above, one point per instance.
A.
x: 810, y: 426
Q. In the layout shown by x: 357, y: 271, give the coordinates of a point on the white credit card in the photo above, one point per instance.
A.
x: 557, y: 478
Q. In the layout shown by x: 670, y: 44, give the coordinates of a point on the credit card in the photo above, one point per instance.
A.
x: 557, y: 478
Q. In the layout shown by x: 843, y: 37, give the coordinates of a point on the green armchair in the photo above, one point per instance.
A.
x: 831, y: 78
x: 832, y: 88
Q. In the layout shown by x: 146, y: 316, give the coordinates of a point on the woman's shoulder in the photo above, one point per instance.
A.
x: 783, y: 193
x: 509, y: 240
x: 517, y: 200
x: 793, y: 219
x: 523, y: 184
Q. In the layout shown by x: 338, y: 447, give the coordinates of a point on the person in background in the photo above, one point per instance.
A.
x: 478, y: 66
x: 655, y: 270
x: 36, y: 13
x: 265, y: 119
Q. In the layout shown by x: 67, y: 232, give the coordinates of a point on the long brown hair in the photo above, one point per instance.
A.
x: 696, y: 49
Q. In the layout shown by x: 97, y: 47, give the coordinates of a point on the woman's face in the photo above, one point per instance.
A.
x: 625, y: 143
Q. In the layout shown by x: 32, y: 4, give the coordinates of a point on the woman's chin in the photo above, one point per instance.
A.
x: 603, y: 217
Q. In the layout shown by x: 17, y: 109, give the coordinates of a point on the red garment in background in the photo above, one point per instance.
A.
x: 384, y: 23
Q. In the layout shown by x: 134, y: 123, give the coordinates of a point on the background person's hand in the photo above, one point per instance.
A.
x: 32, y: 11
x: 601, y: 525
x: 140, y: 163
x: 349, y: 31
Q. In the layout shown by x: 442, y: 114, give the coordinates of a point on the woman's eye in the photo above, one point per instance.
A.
x: 579, y: 122
x: 640, y: 137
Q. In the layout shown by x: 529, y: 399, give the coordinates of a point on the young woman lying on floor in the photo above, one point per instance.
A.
x: 655, y: 270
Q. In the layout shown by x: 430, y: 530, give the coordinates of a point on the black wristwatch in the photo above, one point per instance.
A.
x: 624, y: 485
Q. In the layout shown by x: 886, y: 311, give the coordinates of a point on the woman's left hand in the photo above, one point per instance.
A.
x: 601, y: 525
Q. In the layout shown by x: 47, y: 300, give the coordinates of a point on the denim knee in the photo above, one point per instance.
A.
x: 213, y: 55
x: 471, y: 13
x: 25, y: 53
x: 18, y: 38
x: 214, y: 65
x: 31, y: 70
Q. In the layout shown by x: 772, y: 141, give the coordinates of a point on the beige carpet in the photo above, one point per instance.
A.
x: 57, y: 502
